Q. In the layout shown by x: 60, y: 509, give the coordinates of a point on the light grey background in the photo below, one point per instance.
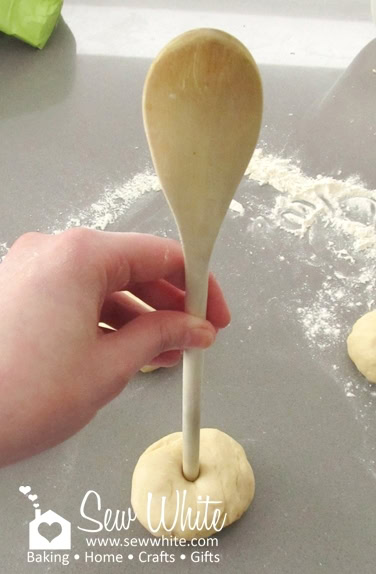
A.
x: 70, y: 124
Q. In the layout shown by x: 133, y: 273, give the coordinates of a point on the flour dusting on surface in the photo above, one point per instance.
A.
x: 237, y: 207
x: 113, y: 203
x: 337, y: 218
x: 334, y: 223
x: 344, y: 205
x: 3, y: 250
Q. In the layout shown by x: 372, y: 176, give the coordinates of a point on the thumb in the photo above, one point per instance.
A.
x: 122, y: 353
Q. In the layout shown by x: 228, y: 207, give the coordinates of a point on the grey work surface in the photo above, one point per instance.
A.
x: 71, y: 123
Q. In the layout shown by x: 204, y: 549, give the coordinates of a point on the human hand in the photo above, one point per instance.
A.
x: 57, y: 366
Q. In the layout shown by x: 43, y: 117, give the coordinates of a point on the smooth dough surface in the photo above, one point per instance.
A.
x: 361, y: 345
x: 225, y: 476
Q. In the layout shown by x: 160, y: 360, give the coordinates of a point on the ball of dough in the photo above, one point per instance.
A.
x: 148, y: 369
x: 225, y: 477
x: 361, y: 345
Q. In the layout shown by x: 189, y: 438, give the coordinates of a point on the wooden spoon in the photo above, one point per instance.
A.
x: 202, y: 107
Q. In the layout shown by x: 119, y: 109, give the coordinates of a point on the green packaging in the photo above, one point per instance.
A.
x: 32, y: 21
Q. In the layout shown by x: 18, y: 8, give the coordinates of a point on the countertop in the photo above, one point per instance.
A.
x: 72, y: 139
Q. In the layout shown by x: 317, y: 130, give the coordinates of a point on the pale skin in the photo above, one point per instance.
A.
x: 57, y: 367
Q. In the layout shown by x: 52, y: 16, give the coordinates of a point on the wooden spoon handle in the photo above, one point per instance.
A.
x: 196, y: 277
x: 193, y: 365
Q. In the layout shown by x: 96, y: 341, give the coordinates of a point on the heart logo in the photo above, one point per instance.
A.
x: 36, y: 505
x: 49, y: 531
x: 24, y: 489
x: 32, y: 497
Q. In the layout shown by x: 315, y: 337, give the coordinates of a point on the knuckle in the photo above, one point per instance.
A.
x: 166, y: 336
x: 75, y: 244
x: 27, y: 239
x: 77, y: 236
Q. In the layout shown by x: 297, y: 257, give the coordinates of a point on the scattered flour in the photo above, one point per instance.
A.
x: 335, y: 225
x: 3, y: 250
x: 338, y: 218
x: 237, y: 207
x: 113, y: 203
x: 345, y: 205
x: 317, y: 321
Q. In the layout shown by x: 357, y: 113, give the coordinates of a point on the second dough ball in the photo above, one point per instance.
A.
x: 361, y: 345
x: 225, y: 476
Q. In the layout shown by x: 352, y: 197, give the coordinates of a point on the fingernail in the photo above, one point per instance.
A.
x: 201, y: 336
